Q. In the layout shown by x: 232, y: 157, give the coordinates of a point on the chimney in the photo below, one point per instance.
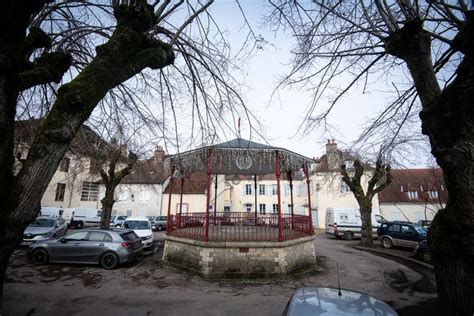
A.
x: 159, y: 155
x: 332, y: 155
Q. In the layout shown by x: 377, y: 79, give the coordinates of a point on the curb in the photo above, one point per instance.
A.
x: 388, y: 254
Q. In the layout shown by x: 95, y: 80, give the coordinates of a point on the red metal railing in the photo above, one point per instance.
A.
x: 232, y: 226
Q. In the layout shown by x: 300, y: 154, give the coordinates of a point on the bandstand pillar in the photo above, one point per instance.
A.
x: 277, y: 173
x: 208, y: 196
x: 289, y: 175
x: 215, y: 201
x: 178, y: 223
x: 169, y: 222
x: 305, y: 168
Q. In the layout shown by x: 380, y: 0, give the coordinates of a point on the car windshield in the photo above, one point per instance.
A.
x: 420, y: 230
x: 137, y: 224
x: 43, y: 222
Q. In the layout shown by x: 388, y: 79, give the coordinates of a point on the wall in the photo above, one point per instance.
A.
x: 409, y: 211
x: 240, y: 259
x: 138, y: 199
x: 195, y: 202
x: 328, y: 194
x: 77, y: 173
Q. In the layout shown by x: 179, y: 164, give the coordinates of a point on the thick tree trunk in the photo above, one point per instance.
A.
x: 367, y: 239
x: 448, y: 120
x: 126, y: 54
x: 450, y: 125
x: 107, y: 205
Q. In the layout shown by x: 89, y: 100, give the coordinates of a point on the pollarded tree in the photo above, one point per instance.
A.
x: 341, y: 44
x: 107, y: 46
x: 379, y: 180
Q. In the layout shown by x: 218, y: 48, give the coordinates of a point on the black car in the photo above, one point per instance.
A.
x: 402, y: 234
x: 422, y: 251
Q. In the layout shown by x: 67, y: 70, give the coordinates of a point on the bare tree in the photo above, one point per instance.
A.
x: 108, y: 47
x: 359, y: 42
x: 379, y: 180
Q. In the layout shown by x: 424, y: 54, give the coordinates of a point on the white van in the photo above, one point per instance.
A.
x: 51, y: 211
x: 83, y: 216
x: 346, y: 222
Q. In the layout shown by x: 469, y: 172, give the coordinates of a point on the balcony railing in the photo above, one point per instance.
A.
x: 232, y: 226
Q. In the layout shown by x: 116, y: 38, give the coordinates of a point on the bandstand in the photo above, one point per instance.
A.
x: 240, y: 244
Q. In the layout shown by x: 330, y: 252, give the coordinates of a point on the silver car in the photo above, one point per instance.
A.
x: 158, y: 223
x: 107, y: 247
x: 117, y: 220
x: 42, y: 228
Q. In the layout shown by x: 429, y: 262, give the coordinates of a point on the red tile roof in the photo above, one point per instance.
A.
x: 420, y: 181
x: 196, y: 183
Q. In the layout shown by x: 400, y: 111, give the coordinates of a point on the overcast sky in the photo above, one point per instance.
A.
x: 283, y: 114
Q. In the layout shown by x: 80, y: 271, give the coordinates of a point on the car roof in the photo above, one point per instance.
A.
x: 137, y: 218
x: 319, y: 300
x: 111, y: 229
x: 47, y: 217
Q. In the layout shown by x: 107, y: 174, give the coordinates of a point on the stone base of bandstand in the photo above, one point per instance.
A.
x: 239, y: 259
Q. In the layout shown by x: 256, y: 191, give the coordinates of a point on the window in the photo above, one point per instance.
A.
x: 90, y: 191
x: 299, y: 190
x: 394, y: 228
x: 412, y: 194
x: 248, y: 207
x: 60, y: 189
x: 144, y: 196
x: 289, y: 208
x: 275, y: 208
x: 345, y: 188
x: 248, y: 189
x: 407, y: 229
x: 275, y: 189
x: 433, y: 194
x: 262, y: 209
x: 77, y: 236
x: 96, y: 236
x: 261, y: 189
x: 226, y: 208
x: 64, y: 165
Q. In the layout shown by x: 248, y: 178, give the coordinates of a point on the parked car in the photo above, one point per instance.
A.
x: 332, y: 301
x: 107, y: 247
x: 346, y: 222
x: 142, y: 227
x: 51, y: 211
x: 42, y: 228
x: 400, y: 234
x: 159, y: 223
x: 117, y: 220
x: 424, y: 223
x: 422, y: 251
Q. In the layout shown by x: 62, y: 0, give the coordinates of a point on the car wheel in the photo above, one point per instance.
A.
x: 160, y: 228
x: 39, y: 256
x: 387, y: 243
x: 79, y: 225
x: 109, y: 260
x: 348, y: 236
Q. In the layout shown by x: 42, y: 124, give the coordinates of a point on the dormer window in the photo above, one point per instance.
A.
x: 433, y: 194
x: 412, y: 194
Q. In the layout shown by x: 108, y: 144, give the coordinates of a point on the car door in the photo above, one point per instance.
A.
x: 68, y: 248
x: 409, y: 236
x: 394, y: 232
x: 94, y: 247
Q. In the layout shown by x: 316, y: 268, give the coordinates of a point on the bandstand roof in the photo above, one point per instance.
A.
x: 238, y: 157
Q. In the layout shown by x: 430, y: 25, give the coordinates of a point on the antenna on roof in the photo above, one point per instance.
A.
x: 338, y: 282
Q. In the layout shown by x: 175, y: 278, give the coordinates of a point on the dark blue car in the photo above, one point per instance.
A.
x: 401, y: 234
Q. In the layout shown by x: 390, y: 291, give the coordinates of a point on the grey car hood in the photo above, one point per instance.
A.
x: 37, y: 230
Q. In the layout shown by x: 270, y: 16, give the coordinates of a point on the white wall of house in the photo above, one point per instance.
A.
x: 73, y: 181
x: 412, y: 212
x: 192, y: 203
x: 138, y: 199
x: 331, y: 191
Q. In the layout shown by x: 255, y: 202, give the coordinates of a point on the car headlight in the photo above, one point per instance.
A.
x: 149, y: 237
x: 42, y: 236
